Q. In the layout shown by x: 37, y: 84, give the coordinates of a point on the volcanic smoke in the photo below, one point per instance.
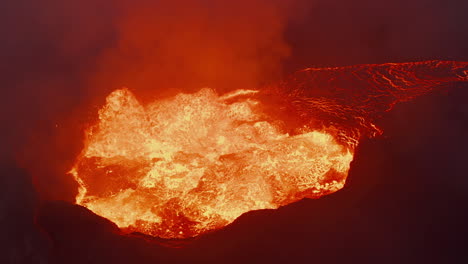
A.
x: 186, y: 165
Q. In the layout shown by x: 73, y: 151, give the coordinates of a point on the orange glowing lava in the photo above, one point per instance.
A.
x: 180, y: 167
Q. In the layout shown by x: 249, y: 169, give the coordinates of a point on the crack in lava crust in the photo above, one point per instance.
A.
x: 180, y: 167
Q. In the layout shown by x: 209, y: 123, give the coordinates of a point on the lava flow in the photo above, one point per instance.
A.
x: 183, y: 166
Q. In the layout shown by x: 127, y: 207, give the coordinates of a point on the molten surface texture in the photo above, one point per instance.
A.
x: 196, y: 162
x: 179, y: 167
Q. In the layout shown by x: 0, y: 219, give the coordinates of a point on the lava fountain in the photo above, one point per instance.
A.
x: 180, y: 167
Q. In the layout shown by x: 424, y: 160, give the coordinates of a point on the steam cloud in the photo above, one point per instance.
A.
x: 158, y: 48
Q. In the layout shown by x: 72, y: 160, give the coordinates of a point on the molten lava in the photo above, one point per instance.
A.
x: 180, y: 167
x: 186, y: 165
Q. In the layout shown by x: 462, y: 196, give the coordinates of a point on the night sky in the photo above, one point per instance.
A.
x: 405, y: 201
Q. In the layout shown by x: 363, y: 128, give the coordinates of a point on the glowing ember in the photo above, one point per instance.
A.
x: 181, y: 167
